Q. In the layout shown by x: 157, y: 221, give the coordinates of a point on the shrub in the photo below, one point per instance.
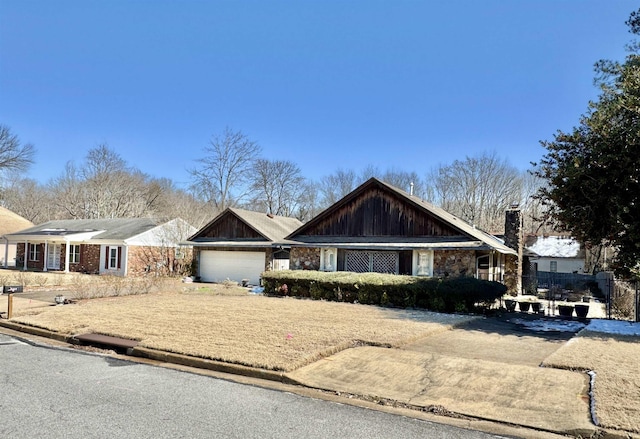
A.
x: 445, y: 295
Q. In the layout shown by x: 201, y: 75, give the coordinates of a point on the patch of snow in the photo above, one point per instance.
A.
x: 614, y: 327
x: 544, y: 325
x: 556, y: 247
x: 592, y: 397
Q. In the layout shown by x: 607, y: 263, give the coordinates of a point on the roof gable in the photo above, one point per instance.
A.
x: 378, y: 210
x: 240, y: 224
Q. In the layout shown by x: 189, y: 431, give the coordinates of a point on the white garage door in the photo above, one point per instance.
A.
x: 216, y: 266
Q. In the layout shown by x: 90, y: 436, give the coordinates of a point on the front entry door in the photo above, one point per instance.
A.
x: 53, y: 257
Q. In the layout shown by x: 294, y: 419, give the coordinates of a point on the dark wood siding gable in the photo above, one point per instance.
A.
x: 378, y: 212
x: 229, y: 227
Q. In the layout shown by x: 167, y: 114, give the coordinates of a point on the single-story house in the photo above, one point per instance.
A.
x: 557, y: 254
x: 119, y: 246
x: 380, y: 228
x: 240, y: 244
x: 10, y: 222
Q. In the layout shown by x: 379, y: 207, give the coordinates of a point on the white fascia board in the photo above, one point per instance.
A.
x: 73, y: 237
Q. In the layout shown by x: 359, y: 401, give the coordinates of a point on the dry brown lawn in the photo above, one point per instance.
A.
x: 215, y: 323
x: 615, y: 359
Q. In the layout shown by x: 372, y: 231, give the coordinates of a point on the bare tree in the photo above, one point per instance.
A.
x: 335, y: 186
x: 178, y: 203
x: 222, y: 174
x: 309, y: 205
x: 407, y: 181
x: 104, y: 187
x: 277, y: 185
x: 28, y: 198
x: 533, y: 209
x: 14, y: 155
x: 478, y: 189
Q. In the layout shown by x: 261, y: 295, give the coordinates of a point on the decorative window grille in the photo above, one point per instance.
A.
x: 376, y: 262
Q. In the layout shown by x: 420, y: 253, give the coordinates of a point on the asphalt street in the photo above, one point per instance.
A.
x: 51, y: 392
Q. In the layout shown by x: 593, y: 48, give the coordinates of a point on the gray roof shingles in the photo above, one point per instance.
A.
x: 114, y: 228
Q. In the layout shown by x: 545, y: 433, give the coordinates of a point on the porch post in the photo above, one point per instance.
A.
x: 66, y: 256
x: 125, y: 260
x: 6, y: 252
x: 26, y: 255
x: 46, y: 253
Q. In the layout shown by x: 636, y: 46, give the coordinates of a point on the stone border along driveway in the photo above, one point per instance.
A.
x: 486, y: 369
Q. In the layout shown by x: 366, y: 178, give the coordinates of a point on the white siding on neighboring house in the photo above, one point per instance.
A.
x: 165, y: 235
x: 563, y: 265
x: 565, y: 253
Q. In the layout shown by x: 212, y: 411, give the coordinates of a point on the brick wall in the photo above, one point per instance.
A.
x: 31, y: 265
x: 157, y: 260
x: 89, y: 260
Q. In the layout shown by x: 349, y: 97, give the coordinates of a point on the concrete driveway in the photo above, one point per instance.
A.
x: 486, y: 369
x: 494, y: 339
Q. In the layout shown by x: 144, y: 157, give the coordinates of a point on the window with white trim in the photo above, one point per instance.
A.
x: 74, y: 253
x: 34, y: 252
x: 425, y: 263
x: 113, y: 258
x: 328, y: 261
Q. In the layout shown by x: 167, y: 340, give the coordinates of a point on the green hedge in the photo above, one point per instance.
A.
x: 463, y: 294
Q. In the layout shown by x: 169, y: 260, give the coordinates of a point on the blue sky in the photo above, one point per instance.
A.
x: 325, y: 84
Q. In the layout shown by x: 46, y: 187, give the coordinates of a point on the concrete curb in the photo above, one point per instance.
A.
x: 203, y: 363
x: 165, y: 357
x: 34, y: 331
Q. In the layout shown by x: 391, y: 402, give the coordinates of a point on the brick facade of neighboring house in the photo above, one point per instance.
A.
x: 115, y: 246
x: 89, y: 258
x: 158, y: 260
x: 38, y: 264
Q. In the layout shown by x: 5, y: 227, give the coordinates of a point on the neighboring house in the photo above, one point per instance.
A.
x: 380, y: 228
x: 10, y: 222
x: 240, y: 244
x: 556, y: 254
x: 105, y: 246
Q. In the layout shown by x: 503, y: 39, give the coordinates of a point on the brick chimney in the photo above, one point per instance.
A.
x: 512, y: 227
